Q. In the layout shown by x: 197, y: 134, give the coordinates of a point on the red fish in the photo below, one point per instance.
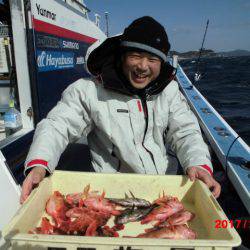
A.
x: 179, y: 232
x: 83, y: 221
x: 107, y: 231
x: 45, y: 228
x: 179, y: 218
x: 165, y: 210
x: 74, y: 199
x: 56, y: 206
x: 99, y: 203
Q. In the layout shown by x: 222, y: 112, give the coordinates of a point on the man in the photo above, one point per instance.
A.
x: 130, y: 112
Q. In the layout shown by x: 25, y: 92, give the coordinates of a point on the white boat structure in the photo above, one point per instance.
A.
x: 47, y: 50
x: 42, y: 51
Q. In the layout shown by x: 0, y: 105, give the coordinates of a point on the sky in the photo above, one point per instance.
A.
x: 184, y: 20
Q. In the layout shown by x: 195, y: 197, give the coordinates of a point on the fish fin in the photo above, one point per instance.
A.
x: 86, y: 191
x: 126, y: 196
x: 132, y: 194
x: 103, y: 195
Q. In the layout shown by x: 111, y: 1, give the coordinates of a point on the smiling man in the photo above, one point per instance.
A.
x: 131, y: 111
x: 140, y: 68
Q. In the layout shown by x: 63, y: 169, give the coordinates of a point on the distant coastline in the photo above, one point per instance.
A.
x: 208, y: 53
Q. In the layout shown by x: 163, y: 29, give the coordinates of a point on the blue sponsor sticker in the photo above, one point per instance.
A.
x: 54, y: 60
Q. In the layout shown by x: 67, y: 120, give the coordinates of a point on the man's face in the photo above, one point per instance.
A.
x: 140, y: 68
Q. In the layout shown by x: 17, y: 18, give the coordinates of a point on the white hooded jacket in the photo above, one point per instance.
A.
x: 119, y: 136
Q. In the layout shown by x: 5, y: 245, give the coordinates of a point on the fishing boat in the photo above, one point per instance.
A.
x: 46, y: 57
x: 42, y: 50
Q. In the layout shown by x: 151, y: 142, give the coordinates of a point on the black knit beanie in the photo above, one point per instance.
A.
x: 143, y: 34
x: 147, y: 34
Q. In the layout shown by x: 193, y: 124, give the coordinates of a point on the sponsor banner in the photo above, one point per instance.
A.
x: 45, y: 12
x: 70, y: 45
x: 44, y: 41
x: 54, y: 60
x: 41, y: 26
x: 80, y: 60
x: 52, y: 42
x: 58, y: 14
x: 61, y: 39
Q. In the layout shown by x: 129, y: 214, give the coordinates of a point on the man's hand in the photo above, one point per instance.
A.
x: 203, y: 175
x: 34, y: 177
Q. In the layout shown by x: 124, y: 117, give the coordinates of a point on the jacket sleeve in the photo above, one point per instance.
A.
x: 66, y: 122
x: 184, y: 134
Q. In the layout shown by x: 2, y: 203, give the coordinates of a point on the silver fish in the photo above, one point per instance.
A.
x: 132, y: 214
x: 130, y: 202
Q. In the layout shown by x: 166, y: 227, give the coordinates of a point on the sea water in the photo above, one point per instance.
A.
x: 225, y: 83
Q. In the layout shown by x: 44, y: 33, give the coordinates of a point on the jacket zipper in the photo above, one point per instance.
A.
x: 145, y: 110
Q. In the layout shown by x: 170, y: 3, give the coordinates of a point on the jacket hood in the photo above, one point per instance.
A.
x: 102, y: 60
